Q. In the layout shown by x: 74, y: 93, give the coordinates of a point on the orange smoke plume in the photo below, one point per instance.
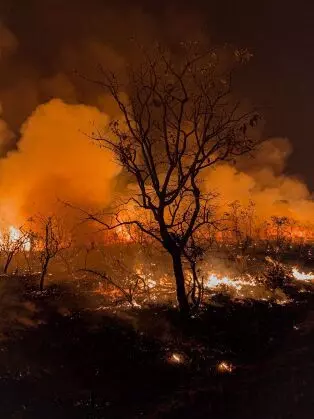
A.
x: 262, y: 180
x: 56, y: 160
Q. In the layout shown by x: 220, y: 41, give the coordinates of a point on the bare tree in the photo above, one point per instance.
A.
x: 235, y: 219
x: 280, y: 225
x: 178, y: 118
x: 51, y: 240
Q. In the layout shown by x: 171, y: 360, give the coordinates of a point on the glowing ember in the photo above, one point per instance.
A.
x: 302, y: 276
x: 176, y: 358
x: 136, y: 305
x: 225, y: 367
x: 283, y: 302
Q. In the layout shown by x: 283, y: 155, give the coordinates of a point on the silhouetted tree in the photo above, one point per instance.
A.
x: 51, y: 240
x: 178, y: 118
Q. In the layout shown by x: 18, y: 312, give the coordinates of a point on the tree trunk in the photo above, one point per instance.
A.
x: 197, y: 288
x: 27, y: 257
x: 195, y: 284
x: 43, y: 274
x: 7, y: 263
x: 180, y: 285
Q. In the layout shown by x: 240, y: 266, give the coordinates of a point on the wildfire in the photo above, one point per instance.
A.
x: 302, y: 276
x: 245, y: 287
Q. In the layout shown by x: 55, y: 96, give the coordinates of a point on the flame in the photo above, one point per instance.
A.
x: 15, y: 235
x: 214, y: 281
x: 123, y: 234
x: 176, y: 358
x: 302, y: 276
x: 225, y: 366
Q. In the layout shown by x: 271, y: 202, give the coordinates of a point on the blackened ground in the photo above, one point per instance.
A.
x: 89, y: 363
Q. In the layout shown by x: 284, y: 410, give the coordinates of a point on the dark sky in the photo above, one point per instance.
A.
x: 51, y: 36
x: 281, y: 34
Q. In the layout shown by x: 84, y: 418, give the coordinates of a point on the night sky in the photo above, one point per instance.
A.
x: 52, y: 35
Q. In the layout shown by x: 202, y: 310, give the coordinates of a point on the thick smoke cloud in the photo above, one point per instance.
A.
x: 6, y: 135
x: 48, y: 111
x: 56, y: 160
x: 8, y: 41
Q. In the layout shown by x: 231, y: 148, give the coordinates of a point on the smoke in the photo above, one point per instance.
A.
x: 42, y: 98
x: 8, y: 41
x: 56, y: 160
x: 263, y: 181
x: 6, y: 135
x: 44, y: 145
x: 45, y: 43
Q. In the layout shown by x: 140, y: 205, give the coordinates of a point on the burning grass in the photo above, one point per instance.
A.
x: 126, y: 275
x: 137, y: 282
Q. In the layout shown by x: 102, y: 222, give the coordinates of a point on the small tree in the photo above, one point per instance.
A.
x: 128, y: 284
x: 51, y: 240
x: 280, y: 225
x: 178, y: 118
x: 193, y: 253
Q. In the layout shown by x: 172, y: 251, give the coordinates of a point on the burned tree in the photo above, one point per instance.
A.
x: 280, y: 225
x: 193, y: 253
x: 178, y: 118
x: 51, y: 240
